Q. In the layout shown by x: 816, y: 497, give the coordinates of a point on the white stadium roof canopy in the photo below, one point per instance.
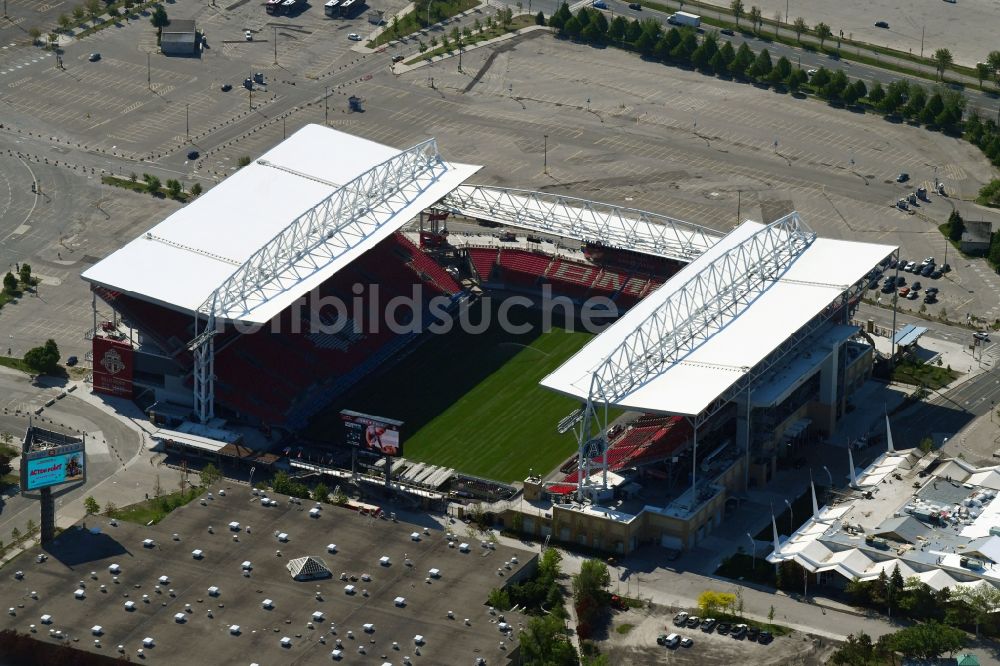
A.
x: 184, y: 259
x: 688, y: 386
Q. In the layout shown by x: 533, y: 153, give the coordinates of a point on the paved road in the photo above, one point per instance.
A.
x: 988, y: 105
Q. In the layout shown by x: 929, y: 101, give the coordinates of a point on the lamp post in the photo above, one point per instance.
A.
x: 326, y: 106
x: 753, y: 550
x: 187, y: 121
x: 791, y: 518
x: 545, y: 154
x: 275, y: 45
x: 149, y: 76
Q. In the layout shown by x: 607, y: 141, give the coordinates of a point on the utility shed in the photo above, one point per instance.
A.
x: 179, y: 38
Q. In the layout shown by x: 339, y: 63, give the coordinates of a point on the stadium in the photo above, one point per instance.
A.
x: 247, y: 322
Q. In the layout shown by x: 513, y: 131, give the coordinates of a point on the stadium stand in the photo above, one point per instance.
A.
x: 483, y: 261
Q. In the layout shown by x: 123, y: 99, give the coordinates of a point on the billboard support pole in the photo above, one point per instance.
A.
x: 388, y: 472
x: 354, y: 464
x: 48, y: 520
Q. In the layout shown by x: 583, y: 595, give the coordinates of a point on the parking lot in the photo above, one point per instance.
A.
x: 608, y: 125
x: 639, y: 645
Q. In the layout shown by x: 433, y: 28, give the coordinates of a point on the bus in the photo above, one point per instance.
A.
x: 332, y: 8
x: 273, y: 6
x: 349, y: 6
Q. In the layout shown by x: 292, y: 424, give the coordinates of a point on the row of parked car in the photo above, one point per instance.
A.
x: 707, y: 625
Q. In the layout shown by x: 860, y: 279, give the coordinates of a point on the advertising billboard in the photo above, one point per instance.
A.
x: 53, y: 466
x: 113, y: 367
x: 374, y: 434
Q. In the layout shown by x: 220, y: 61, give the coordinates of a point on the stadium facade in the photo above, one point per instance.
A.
x: 733, y: 347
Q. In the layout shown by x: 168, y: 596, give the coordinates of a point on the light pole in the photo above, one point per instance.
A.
x: 187, y: 121
x: 326, y: 106
x: 791, y: 518
x: 275, y: 45
x: 284, y: 132
x: 753, y: 550
x: 460, y: 54
x: 149, y: 76
x: 252, y: 470
x: 545, y: 154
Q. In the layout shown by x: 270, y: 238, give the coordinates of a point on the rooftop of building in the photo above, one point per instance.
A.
x: 86, y: 554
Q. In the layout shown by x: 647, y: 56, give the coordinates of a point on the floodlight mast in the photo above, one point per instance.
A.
x: 312, y: 241
x: 701, y: 307
x: 588, y: 221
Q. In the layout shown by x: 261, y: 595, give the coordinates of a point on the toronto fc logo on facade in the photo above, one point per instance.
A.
x: 112, y: 362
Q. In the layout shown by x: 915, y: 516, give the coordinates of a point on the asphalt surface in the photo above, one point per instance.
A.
x: 988, y: 105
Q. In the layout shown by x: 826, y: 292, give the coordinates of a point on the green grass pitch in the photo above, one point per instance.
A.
x: 472, y: 401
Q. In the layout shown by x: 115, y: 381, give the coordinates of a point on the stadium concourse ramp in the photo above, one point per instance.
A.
x: 583, y: 220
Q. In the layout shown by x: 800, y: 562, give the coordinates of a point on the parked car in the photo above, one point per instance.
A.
x: 882, y: 24
x: 935, y: 274
x: 72, y: 360
x: 900, y: 281
x: 811, y: 72
x: 893, y: 263
x: 765, y: 637
x: 928, y: 269
x: 600, y: 4
x: 910, y: 266
x: 982, y: 336
x: 723, y: 628
x: 226, y: 87
x: 902, y: 205
x: 708, y: 624
x: 680, y: 618
x: 686, y: 642
x: 728, y: 32
x: 354, y: 37
x: 661, y: 639
x: 635, y: 5
x: 930, y: 298
x: 247, y: 35
x: 693, y: 621
x: 739, y: 631
x: 397, y: 58
x: 753, y: 633
x: 913, y: 295
x: 922, y: 193
x: 932, y: 290
x: 904, y: 292
x: 916, y: 286
x: 193, y: 154
x: 671, y: 640
x: 94, y: 57
x: 902, y: 177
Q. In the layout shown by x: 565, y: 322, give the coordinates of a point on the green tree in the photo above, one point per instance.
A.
x: 79, y: 12
x: 823, y: 32
x: 942, y: 58
x: 159, y: 19
x: 243, y: 161
x: 616, y: 30
x: 153, y: 185
x: 94, y: 8
x: 932, y: 110
x: 43, y: 359
x: 876, y: 94
x: 993, y: 60
x: 756, y: 17
x: 781, y: 71
x: 821, y: 78
x: 895, y: 95
x: 544, y: 642
x: 558, y: 20
x: 174, y: 187
x: 736, y: 7
x: 982, y: 601
x: 10, y: 283
x: 761, y: 66
x: 856, y: 651
x: 35, y: 34
x: 209, y: 475
x: 916, y: 102
x: 539, y: 19
x: 797, y: 79
x: 573, y: 27
x: 110, y: 510
x: 744, y: 58
x: 633, y: 31
x: 800, y: 27
x: 321, y: 493
x: 15, y: 537
x: 196, y: 189
x: 982, y: 71
x: 65, y: 22
x: 25, y: 274
x: 702, y: 55
x: 834, y: 90
x: 927, y: 641
x: 91, y: 506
